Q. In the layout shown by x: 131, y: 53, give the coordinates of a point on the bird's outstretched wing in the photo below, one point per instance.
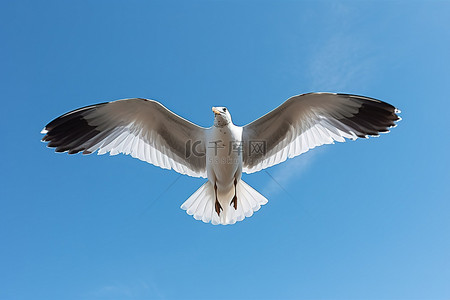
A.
x: 310, y: 120
x: 143, y: 128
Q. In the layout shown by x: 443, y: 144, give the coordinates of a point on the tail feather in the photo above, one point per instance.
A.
x: 201, y: 204
x: 197, y: 203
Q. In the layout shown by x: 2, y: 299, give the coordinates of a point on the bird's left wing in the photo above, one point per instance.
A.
x: 310, y: 120
x: 143, y: 128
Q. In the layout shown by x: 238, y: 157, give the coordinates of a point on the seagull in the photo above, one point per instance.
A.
x: 149, y: 131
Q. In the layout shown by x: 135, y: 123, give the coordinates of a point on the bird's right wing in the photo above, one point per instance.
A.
x: 309, y: 120
x: 143, y: 128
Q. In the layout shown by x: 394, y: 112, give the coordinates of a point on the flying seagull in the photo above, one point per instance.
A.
x: 147, y: 130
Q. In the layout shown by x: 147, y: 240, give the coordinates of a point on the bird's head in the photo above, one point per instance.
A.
x: 222, y: 116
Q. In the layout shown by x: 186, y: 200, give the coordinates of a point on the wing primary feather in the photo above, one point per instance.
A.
x: 316, y: 119
x: 143, y: 128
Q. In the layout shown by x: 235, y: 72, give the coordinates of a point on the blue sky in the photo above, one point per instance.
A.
x: 368, y: 219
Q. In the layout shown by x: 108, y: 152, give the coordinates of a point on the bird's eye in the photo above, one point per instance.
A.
x: 224, y: 109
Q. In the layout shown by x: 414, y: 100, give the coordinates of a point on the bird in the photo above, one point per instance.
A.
x: 147, y: 130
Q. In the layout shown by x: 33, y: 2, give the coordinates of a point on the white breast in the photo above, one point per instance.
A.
x: 224, y: 155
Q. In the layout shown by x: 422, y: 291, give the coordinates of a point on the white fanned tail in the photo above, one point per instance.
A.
x: 201, y: 204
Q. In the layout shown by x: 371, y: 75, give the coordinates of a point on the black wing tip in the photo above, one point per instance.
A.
x: 373, y: 117
x: 70, y: 131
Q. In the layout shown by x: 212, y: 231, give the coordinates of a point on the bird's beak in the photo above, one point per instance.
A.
x: 216, y: 112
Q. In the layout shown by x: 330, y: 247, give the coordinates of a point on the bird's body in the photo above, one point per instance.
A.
x: 223, y: 156
x: 147, y: 130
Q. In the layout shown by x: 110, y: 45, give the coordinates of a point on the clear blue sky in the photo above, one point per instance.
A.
x: 360, y: 220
